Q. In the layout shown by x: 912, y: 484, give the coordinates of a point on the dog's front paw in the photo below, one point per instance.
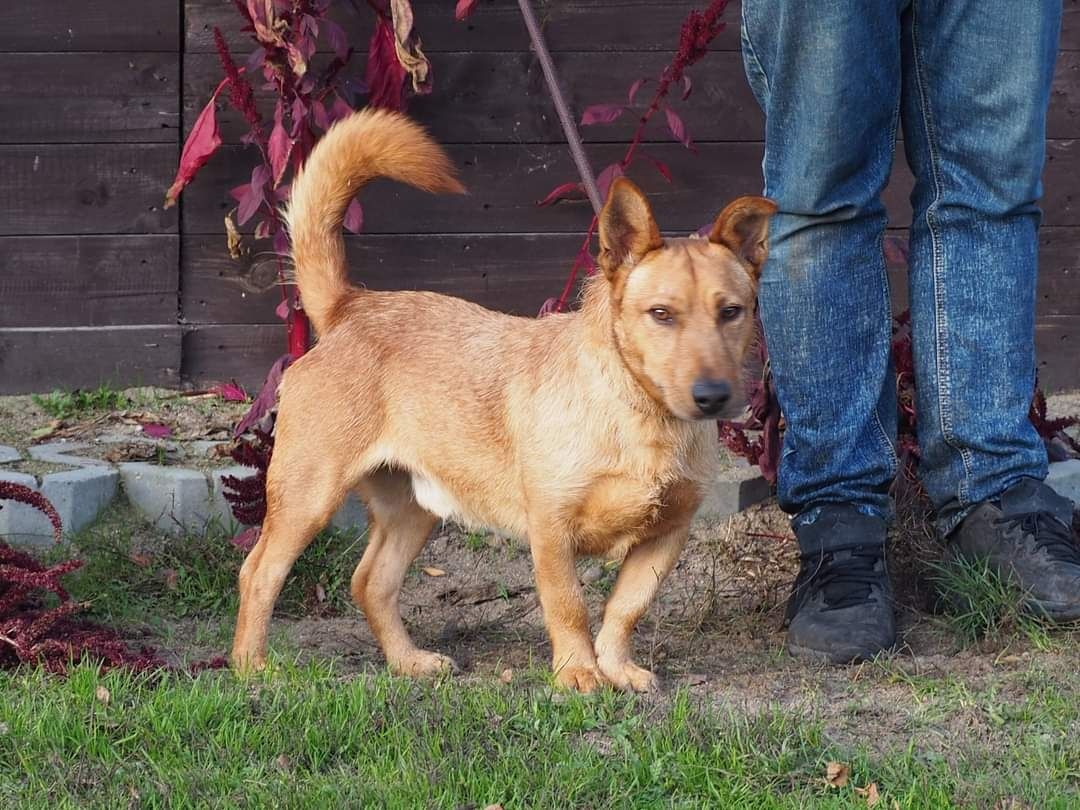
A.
x: 626, y: 675
x: 581, y: 678
x: 423, y: 664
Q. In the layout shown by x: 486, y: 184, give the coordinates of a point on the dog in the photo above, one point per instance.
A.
x: 589, y: 433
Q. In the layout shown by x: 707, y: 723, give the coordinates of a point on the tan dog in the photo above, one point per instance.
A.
x: 590, y: 433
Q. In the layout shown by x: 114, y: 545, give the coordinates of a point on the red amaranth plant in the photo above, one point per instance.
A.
x: 286, y: 35
x: 31, y: 632
x: 699, y: 29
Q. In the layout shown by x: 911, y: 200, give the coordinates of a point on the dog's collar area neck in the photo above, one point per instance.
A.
x: 640, y: 393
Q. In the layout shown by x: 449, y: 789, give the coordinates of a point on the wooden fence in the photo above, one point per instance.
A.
x: 98, y: 283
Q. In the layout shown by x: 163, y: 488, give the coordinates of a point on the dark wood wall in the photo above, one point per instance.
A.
x: 99, y: 284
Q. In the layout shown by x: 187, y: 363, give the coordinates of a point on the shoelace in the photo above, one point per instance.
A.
x: 846, y: 582
x: 1048, y: 532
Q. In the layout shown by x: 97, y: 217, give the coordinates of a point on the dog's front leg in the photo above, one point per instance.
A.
x: 565, y: 613
x: 639, y: 578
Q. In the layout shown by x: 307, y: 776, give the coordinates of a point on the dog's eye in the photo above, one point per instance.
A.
x: 661, y: 315
x: 730, y: 313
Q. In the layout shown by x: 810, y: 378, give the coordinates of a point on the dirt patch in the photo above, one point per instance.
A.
x: 190, y: 422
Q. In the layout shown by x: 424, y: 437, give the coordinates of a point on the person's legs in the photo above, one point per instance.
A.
x: 977, y: 77
x: 828, y: 79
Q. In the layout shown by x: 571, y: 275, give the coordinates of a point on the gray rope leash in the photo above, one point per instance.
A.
x: 573, y: 137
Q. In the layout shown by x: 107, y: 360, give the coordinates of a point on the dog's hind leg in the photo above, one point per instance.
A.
x: 398, y: 528
x: 302, y: 492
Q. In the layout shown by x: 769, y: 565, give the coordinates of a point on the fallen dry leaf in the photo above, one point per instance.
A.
x: 48, y: 430
x: 837, y: 774
x: 170, y: 576
x: 103, y: 695
x: 434, y: 572
x: 140, y: 559
x: 506, y: 675
x: 870, y: 792
x: 320, y: 593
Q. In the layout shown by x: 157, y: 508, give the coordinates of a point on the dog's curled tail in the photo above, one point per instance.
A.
x: 366, y: 145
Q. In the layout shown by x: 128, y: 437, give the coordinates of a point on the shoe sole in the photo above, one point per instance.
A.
x: 823, y: 657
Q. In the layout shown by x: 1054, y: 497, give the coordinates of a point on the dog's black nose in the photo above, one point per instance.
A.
x: 711, y: 396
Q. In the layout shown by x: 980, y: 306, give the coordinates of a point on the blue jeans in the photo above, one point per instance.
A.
x: 970, y: 82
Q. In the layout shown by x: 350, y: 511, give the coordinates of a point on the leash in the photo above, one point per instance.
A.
x: 573, y: 137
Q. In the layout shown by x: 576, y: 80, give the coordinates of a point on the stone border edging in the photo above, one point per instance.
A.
x: 181, y: 500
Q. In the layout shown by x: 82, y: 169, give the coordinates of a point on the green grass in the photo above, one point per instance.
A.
x: 66, y: 404
x: 979, y: 604
x: 304, y: 737
x: 131, y: 576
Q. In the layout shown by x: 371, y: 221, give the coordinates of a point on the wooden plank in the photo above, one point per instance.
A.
x: 585, y: 25
x: 502, y: 98
x: 509, y: 272
x: 88, y: 280
x: 241, y: 352
x: 86, y: 357
x: 1057, y: 346
x: 512, y: 273
x: 80, y: 97
x: 505, y: 181
x: 86, y: 189
x: 244, y: 352
x: 78, y: 25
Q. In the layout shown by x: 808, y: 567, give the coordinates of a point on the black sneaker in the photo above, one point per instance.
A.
x: 841, y: 607
x: 1027, y: 538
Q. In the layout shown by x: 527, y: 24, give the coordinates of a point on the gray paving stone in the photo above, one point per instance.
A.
x: 352, y: 516
x: 80, y: 495
x: 65, y: 453
x: 9, y: 454
x: 732, y: 491
x: 22, y: 525
x: 175, y: 499
x: 1064, y: 477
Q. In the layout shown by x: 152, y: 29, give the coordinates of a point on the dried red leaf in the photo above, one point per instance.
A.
x: 601, y: 114
x: 384, y: 75
x: 677, y: 128
x: 354, y: 216
x: 230, y: 391
x: 464, y: 8
x: 246, y: 540
x: 201, y: 143
x: 156, y: 430
x: 266, y: 398
x: 688, y: 87
x: 549, y: 307
x: 280, y: 146
x: 607, y: 177
x: 562, y: 192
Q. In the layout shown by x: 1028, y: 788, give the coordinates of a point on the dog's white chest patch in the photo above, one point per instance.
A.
x: 431, y: 495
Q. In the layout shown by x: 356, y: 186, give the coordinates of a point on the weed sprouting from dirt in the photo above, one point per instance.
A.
x: 67, y: 404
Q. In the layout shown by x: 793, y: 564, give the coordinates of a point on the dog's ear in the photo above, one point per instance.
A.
x: 743, y: 228
x: 627, y: 228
